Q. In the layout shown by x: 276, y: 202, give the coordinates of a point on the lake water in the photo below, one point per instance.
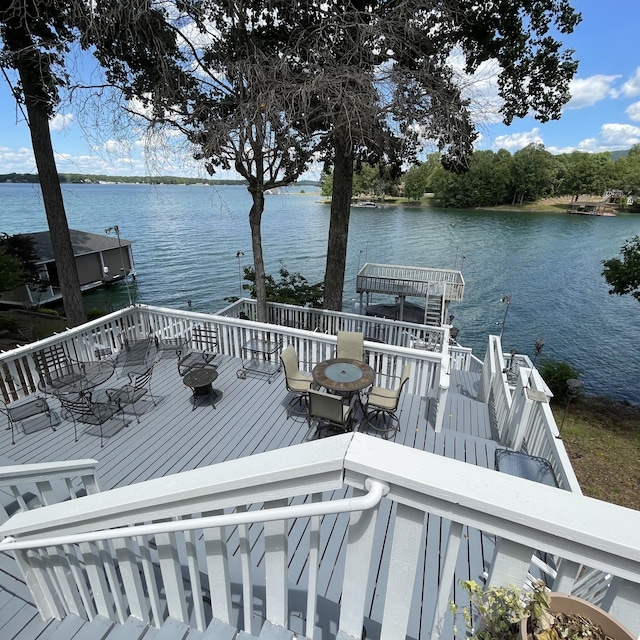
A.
x: 186, y: 240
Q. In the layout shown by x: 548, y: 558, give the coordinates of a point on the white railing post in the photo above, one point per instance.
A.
x: 621, y: 601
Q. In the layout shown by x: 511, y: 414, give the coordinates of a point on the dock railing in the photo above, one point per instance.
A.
x: 227, y: 550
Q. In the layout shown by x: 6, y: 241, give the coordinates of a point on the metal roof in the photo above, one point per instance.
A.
x: 83, y: 242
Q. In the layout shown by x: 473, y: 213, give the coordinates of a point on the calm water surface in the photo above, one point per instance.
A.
x: 186, y: 240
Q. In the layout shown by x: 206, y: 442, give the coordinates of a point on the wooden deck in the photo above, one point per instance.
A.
x: 250, y: 418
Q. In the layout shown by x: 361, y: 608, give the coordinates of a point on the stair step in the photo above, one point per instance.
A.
x: 98, y: 629
x: 218, y: 630
x: 272, y: 631
x: 67, y: 628
x: 132, y: 629
x: 243, y: 635
x: 172, y: 630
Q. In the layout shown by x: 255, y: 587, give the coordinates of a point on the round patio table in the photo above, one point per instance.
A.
x: 201, y: 383
x: 343, y: 375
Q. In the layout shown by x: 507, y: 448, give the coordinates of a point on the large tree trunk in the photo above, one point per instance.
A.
x: 37, y: 104
x: 339, y: 223
x: 255, y: 221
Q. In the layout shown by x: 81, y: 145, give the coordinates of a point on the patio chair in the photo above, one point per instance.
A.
x: 327, y: 411
x: 382, y: 403
x: 296, y: 382
x: 522, y: 465
x: 82, y: 408
x: 56, y: 369
x: 31, y: 413
x: 200, y: 352
x: 135, y: 357
x: 350, y: 345
x: 139, y: 385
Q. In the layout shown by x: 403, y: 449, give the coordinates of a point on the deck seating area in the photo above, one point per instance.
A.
x: 447, y: 520
x: 251, y: 417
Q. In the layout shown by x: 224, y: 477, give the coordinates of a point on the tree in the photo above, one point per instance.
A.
x: 18, y: 262
x: 623, y: 274
x: 415, y: 183
x: 35, y: 37
x: 292, y: 288
x: 236, y: 86
x: 407, y: 91
x: 533, y: 171
x: 626, y: 172
x: 585, y: 173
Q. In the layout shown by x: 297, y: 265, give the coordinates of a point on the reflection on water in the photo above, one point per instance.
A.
x: 186, y: 240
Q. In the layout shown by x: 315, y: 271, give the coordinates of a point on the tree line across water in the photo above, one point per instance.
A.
x: 499, y: 178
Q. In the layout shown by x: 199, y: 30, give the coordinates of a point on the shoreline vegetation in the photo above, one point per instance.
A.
x: 544, y: 205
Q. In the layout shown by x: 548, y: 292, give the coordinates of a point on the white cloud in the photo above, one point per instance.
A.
x: 631, y: 87
x: 517, y: 141
x: 587, y: 91
x: 17, y: 160
x: 633, y: 111
x: 622, y: 135
x: 61, y: 121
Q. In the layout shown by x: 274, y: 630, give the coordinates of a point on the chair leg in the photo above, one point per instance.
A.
x: 390, y: 421
x: 300, y: 399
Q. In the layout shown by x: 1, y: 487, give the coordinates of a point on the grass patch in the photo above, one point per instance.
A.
x: 602, y: 439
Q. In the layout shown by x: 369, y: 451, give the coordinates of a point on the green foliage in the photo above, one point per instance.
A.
x: 415, y: 183
x: 93, y: 314
x: 494, y: 613
x: 8, y: 324
x: 10, y: 272
x: 623, y: 274
x: 292, y: 288
x: 556, y: 373
x: 18, y: 262
x: 48, y: 312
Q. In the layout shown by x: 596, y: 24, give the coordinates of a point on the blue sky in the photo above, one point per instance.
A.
x: 603, y: 114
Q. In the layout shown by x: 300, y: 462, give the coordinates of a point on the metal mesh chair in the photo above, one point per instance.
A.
x: 522, y: 465
x: 139, y: 385
x: 83, y: 409
x: 31, y: 413
x: 200, y: 352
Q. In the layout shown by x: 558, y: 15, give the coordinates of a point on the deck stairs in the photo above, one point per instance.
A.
x: 27, y: 626
x: 468, y: 428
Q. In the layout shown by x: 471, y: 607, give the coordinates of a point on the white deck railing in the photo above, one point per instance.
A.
x: 429, y: 371
x: 393, y: 332
x: 524, y: 419
x: 172, y: 570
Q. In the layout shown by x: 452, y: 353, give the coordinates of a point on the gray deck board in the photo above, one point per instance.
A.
x: 250, y: 418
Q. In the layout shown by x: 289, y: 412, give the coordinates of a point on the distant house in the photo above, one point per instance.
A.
x: 100, y: 260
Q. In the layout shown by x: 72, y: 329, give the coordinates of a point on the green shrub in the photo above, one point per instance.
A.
x: 93, y: 314
x: 556, y: 374
x: 8, y: 324
x: 47, y: 311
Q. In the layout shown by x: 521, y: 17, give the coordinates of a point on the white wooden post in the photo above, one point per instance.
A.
x: 448, y: 568
x: 407, y: 535
x: 358, y: 560
x: 218, y: 571
x: 621, y: 601
x: 276, y: 560
x: 510, y: 564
